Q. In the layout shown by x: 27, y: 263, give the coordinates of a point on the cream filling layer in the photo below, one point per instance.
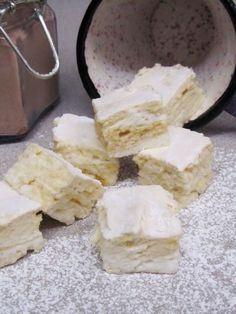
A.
x: 185, y: 185
x: 129, y: 255
x: 18, y: 237
x: 128, y: 133
x: 92, y: 162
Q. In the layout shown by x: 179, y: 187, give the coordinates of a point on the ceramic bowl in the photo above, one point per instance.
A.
x: 119, y: 37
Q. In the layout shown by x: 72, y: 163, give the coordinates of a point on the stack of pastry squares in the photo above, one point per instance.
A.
x: 19, y: 225
x: 138, y: 230
x: 76, y: 140
x: 64, y: 192
x: 183, y: 167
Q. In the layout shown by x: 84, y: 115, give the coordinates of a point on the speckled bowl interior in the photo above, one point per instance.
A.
x: 126, y: 35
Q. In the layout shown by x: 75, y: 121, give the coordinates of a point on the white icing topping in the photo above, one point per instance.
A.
x: 13, y: 205
x: 77, y: 131
x: 145, y: 211
x: 166, y: 80
x: 184, y: 148
x: 124, y: 99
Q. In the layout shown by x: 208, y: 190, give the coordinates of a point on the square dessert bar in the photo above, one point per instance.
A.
x: 138, y: 231
x: 63, y: 190
x: 177, y: 85
x: 75, y: 138
x: 127, y: 119
x: 183, y: 167
x: 19, y: 225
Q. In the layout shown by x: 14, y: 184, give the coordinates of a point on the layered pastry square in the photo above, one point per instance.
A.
x: 64, y: 192
x: 128, y: 119
x: 19, y: 225
x: 75, y: 138
x: 138, y: 230
x: 179, y: 89
x: 184, y: 167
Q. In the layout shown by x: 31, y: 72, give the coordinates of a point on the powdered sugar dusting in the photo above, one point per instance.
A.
x: 67, y: 276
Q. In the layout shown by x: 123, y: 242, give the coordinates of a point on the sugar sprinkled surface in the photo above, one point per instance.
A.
x: 67, y: 276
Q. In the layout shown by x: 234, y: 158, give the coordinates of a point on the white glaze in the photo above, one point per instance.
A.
x: 124, y: 99
x: 14, y: 205
x: 142, y: 211
x: 76, y: 131
x: 183, y: 150
x: 167, y: 81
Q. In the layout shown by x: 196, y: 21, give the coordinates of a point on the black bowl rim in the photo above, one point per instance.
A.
x: 88, y: 84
